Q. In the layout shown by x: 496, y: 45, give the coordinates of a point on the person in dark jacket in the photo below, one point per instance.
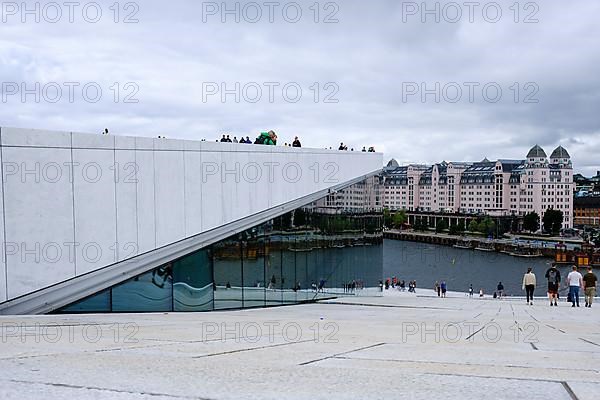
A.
x: 296, y: 142
x: 553, y: 276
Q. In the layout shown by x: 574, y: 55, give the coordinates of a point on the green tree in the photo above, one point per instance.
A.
x: 531, y: 222
x: 553, y: 221
x: 387, y: 217
x: 441, y: 226
x: 473, y: 226
x: 399, y: 219
x: 420, y: 224
x: 453, y: 230
x: 299, y: 217
x: 487, y: 226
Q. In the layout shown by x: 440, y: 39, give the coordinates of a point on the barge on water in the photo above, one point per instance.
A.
x: 486, y: 246
x: 586, y: 256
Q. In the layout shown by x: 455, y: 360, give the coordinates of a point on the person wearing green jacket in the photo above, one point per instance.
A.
x: 268, y: 138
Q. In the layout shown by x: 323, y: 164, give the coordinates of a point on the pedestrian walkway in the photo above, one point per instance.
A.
x: 412, y: 346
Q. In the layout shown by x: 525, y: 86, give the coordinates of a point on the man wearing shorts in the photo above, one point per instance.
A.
x: 553, y: 277
x: 589, y: 287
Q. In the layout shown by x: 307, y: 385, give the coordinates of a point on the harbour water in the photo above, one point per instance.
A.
x: 427, y: 263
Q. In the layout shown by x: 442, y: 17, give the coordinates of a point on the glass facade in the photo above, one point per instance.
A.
x: 333, y: 247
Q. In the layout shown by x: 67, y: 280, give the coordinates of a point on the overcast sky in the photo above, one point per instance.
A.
x: 361, y: 67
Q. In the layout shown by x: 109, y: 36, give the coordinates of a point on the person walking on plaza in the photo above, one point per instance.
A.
x: 575, y: 281
x: 443, y: 287
x: 471, y: 290
x: 589, y: 286
x: 529, y: 285
x: 436, y: 288
x: 553, y: 277
x: 500, y: 290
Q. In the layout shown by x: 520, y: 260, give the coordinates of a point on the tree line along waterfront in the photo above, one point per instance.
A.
x: 488, y: 226
x: 496, y: 234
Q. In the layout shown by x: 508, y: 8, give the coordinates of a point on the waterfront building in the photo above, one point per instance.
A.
x: 587, y: 211
x: 495, y: 188
x: 587, y: 186
x: 365, y: 196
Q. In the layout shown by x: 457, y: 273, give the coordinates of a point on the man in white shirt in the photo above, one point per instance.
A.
x: 575, y: 281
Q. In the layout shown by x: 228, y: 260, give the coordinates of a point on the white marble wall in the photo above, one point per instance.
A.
x: 73, y: 203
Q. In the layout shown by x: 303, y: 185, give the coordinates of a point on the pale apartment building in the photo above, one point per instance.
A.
x: 497, y: 188
x: 362, y: 197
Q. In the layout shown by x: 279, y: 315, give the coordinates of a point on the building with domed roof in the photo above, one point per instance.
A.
x: 496, y: 188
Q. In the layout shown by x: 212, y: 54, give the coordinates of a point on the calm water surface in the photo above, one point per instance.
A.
x: 427, y: 263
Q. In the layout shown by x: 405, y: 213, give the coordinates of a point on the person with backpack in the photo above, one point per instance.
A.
x: 553, y: 277
x: 529, y: 285
x: 267, y: 138
x: 589, y: 287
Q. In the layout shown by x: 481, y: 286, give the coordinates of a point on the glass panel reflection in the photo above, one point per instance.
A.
x: 254, y: 267
x: 150, y: 292
x: 193, y: 283
x: 227, y: 267
x: 332, y: 247
x: 98, y: 303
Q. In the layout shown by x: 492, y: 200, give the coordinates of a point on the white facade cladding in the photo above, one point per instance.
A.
x: 76, y: 203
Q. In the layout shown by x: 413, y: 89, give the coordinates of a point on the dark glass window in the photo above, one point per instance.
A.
x: 98, y: 303
x: 193, y: 283
x: 149, y: 292
x: 329, y: 248
x: 254, y: 266
x: 227, y: 267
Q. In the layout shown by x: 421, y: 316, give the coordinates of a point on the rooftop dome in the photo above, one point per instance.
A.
x: 536, y: 152
x: 393, y: 164
x: 560, y: 152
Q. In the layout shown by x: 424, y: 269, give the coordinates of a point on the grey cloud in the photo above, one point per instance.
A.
x: 170, y: 53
